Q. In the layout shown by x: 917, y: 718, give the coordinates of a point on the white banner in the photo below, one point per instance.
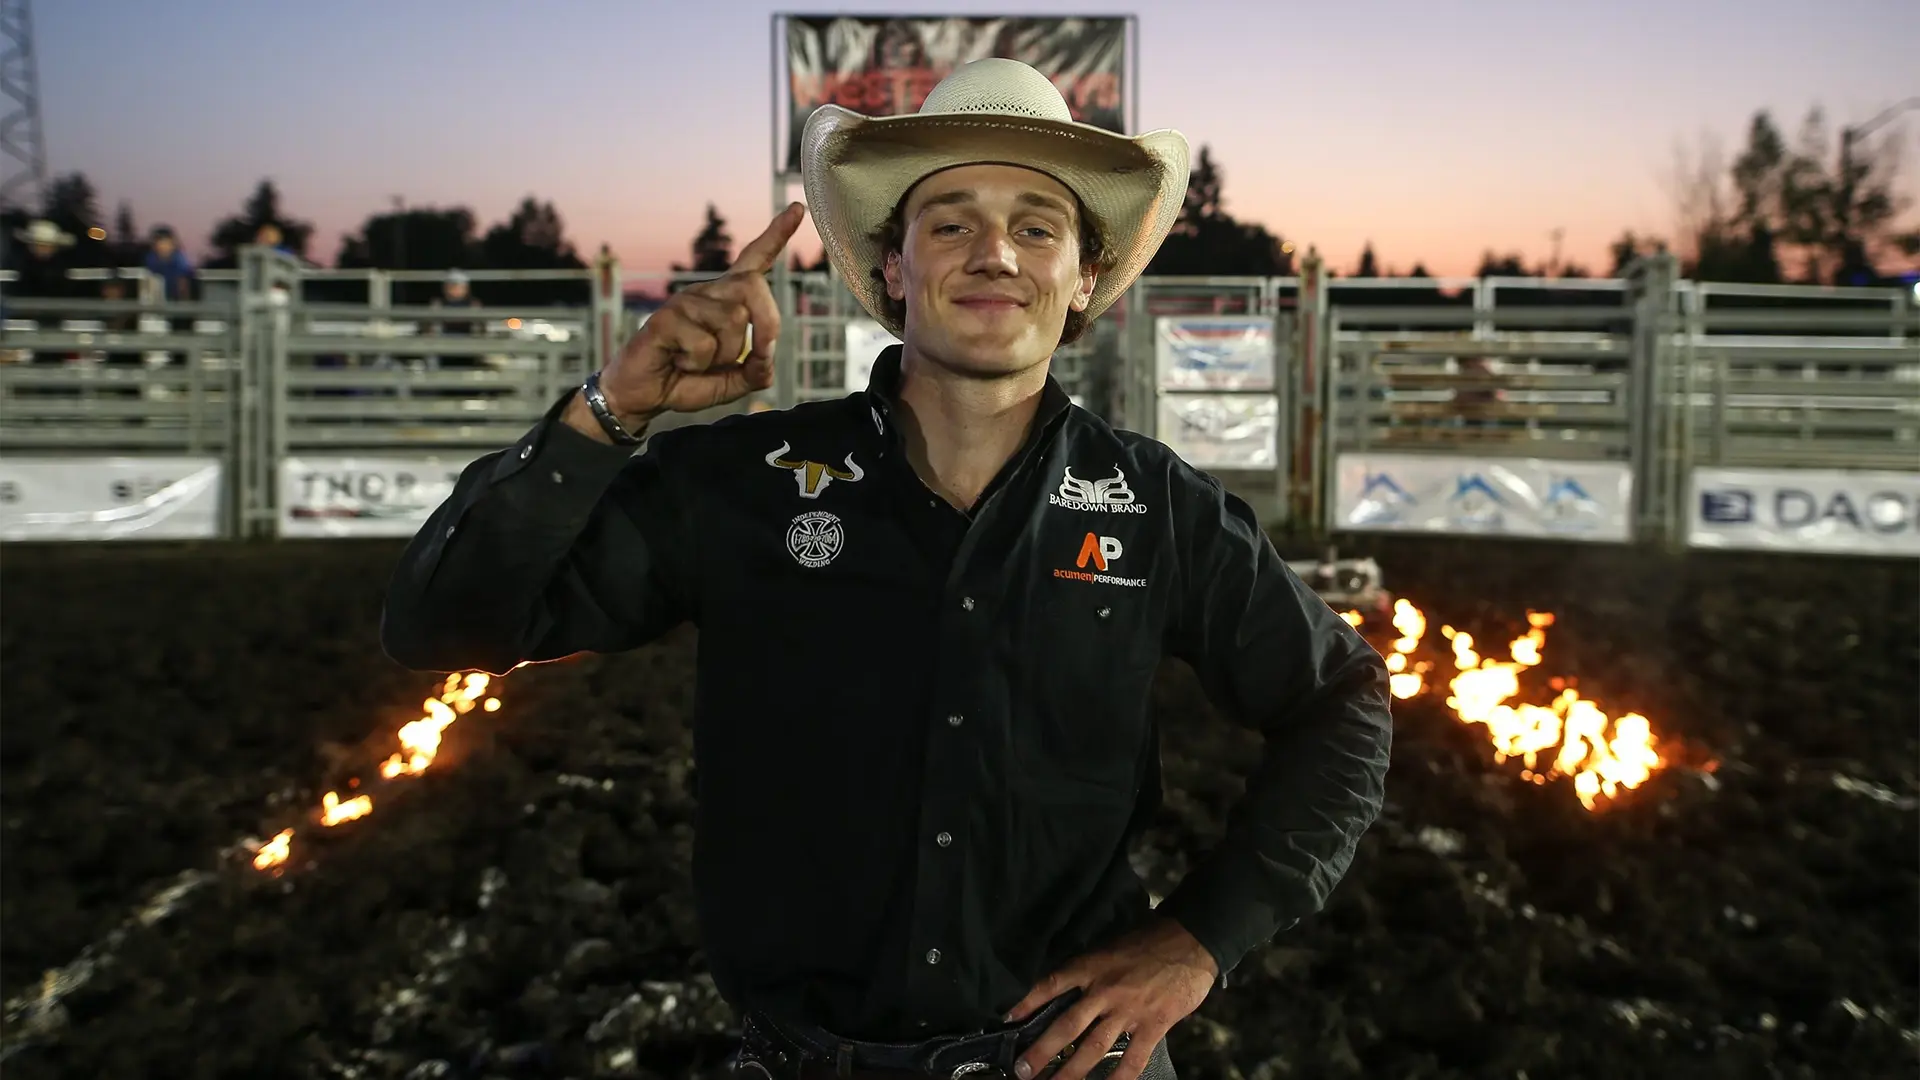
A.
x: 1811, y: 510
x: 1218, y: 352
x: 1575, y: 500
x: 865, y: 341
x: 1221, y: 431
x: 364, y: 495
x: 176, y: 497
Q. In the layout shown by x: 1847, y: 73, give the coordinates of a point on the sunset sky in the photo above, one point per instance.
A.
x: 1435, y: 129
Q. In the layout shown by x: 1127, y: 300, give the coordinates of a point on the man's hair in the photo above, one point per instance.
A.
x: 892, y: 238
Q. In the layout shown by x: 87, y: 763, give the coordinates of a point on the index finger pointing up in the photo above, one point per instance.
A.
x: 763, y: 252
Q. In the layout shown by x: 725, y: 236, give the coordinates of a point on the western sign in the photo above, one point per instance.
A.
x: 887, y: 66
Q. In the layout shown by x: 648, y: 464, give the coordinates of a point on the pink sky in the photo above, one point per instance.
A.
x: 1434, y: 130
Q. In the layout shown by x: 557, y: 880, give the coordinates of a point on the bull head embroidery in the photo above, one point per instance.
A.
x: 812, y: 477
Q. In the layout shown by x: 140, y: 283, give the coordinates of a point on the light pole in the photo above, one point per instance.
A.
x: 1849, y: 179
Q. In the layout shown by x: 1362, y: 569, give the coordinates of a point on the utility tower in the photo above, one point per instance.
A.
x: 23, y: 149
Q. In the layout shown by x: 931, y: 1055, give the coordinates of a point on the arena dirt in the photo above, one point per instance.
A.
x: 522, y: 908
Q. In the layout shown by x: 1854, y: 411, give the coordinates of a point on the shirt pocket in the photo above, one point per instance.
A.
x: 1081, y: 725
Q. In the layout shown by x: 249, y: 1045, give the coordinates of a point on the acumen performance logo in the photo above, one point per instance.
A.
x: 1097, y: 555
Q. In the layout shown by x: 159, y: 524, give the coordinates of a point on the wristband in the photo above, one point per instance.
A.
x: 597, y: 403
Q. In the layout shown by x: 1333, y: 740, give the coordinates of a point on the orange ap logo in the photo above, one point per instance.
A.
x: 1099, y: 550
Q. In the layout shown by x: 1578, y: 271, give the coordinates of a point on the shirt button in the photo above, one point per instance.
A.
x: 943, y: 839
x: 526, y: 452
x: 933, y: 956
x: 955, y: 720
x: 450, y: 529
x: 967, y: 602
x: 556, y: 477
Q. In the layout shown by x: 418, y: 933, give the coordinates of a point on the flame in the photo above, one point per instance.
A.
x: 421, y: 739
x: 274, y: 852
x: 333, y: 811
x: 1602, y: 754
x: 459, y: 695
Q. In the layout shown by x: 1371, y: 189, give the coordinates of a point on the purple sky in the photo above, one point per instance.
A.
x: 1436, y: 130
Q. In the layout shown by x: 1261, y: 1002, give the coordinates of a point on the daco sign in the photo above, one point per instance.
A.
x: 1810, y: 510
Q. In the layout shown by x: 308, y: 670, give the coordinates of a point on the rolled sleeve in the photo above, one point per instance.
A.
x: 1272, y: 655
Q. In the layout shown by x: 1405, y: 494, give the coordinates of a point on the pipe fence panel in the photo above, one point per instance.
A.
x: 300, y: 402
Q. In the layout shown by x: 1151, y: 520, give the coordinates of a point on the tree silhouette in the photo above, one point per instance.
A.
x: 1829, y: 215
x: 533, y: 238
x: 712, y: 248
x: 1420, y: 270
x: 1512, y: 264
x: 236, y: 231
x: 1630, y: 246
x: 1369, y: 266
x: 418, y: 238
x: 125, y: 233
x: 1207, y: 240
x: 71, y: 203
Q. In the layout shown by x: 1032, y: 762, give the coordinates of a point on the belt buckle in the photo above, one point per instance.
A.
x: 968, y: 1068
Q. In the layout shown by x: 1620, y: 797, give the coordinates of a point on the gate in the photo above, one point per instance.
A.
x: 1616, y: 410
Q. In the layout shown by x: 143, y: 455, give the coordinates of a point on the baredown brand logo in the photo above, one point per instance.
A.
x: 1101, y: 552
x: 1380, y: 501
x: 1109, y: 496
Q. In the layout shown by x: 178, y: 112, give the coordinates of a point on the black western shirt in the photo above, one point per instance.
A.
x: 922, y: 736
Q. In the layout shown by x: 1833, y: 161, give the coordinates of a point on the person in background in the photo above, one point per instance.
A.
x: 269, y: 235
x: 456, y: 292
x: 40, y: 272
x: 167, y: 262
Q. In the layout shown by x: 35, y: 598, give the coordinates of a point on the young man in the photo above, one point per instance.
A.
x: 930, y: 614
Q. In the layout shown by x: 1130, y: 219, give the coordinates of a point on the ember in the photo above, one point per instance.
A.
x: 1601, y: 754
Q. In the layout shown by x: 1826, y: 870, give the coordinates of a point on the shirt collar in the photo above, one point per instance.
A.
x: 883, y: 400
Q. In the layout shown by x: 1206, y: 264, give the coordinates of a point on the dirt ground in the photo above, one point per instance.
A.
x: 521, y: 909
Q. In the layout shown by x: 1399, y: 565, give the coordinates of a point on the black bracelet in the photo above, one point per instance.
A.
x: 597, y: 402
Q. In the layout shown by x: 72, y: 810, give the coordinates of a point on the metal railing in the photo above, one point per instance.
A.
x: 1645, y: 377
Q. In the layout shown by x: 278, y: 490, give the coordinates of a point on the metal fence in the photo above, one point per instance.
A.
x: 1640, y: 409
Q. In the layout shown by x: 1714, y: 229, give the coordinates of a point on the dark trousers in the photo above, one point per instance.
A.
x: 775, y: 1050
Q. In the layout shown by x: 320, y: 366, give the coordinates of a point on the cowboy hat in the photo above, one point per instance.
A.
x: 856, y: 169
x: 42, y: 231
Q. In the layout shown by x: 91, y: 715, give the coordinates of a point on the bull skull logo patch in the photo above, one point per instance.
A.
x: 812, y: 477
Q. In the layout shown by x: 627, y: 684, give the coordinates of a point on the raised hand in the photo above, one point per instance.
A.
x: 711, y: 343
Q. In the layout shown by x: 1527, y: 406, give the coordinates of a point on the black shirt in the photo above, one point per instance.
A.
x: 922, y: 738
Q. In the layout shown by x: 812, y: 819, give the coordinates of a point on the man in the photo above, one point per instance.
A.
x: 930, y: 615
x: 167, y: 262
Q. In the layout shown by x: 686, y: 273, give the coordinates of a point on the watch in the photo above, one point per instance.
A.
x: 603, y: 412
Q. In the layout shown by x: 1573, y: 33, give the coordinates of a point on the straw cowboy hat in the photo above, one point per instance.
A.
x: 856, y: 169
x: 42, y: 231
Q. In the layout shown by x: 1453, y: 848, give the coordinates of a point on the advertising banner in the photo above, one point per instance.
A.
x: 176, y: 497
x: 1569, y: 500
x: 1220, y: 352
x: 1833, y: 511
x: 1221, y: 431
x: 364, y: 495
x: 882, y: 66
x: 866, y: 339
